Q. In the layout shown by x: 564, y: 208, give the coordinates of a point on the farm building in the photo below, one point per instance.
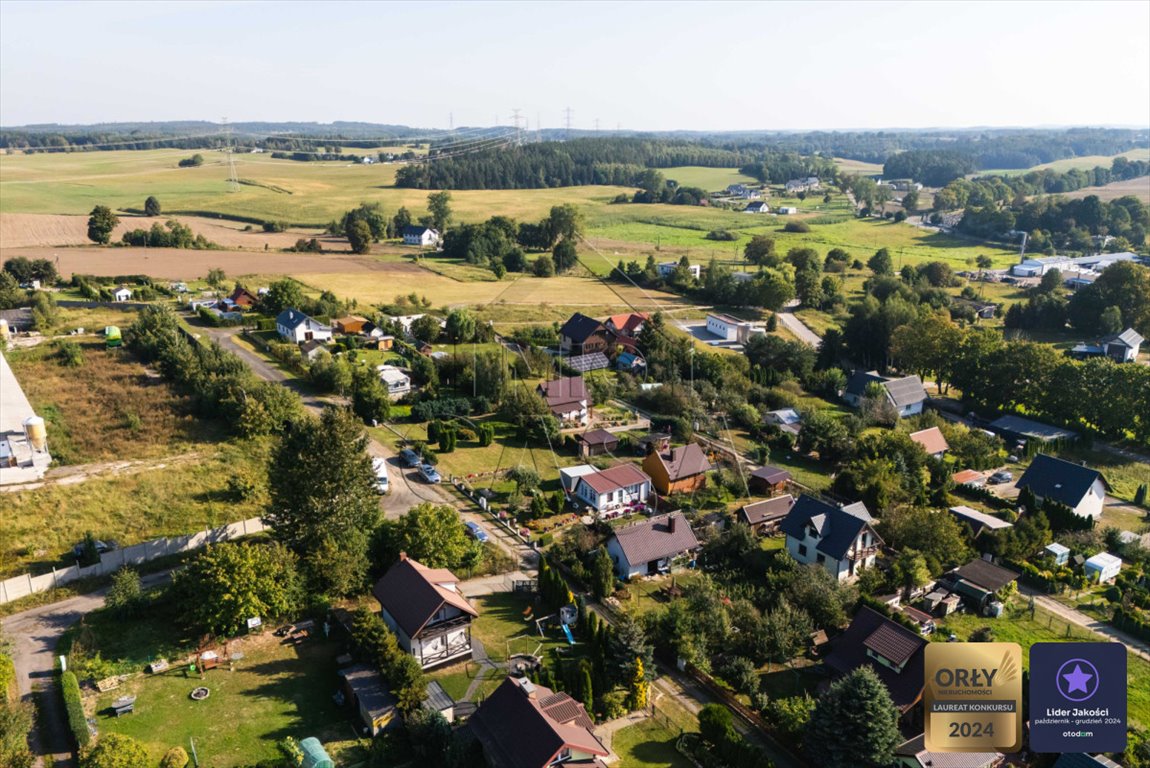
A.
x: 1103, y: 567
x: 23, y: 435
x: 786, y: 210
x: 757, y: 207
x: 651, y: 546
x: 667, y: 268
x: 1078, y: 487
x: 421, y: 236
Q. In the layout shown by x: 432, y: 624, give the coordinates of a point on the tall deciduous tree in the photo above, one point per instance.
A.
x: 881, y: 263
x: 359, y: 236
x: 439, y: 208
x: 854, y: 724
x: 429, y: 533
x: 227, y: 584
x: 101, y: 222
x: 564, y: 255
x: 151, y: 206
x: 323, y: 498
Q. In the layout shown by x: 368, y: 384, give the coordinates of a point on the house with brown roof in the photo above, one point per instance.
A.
x: 582, y: 335
x: 894, y: 652
x: 932, y: 441
x: 652, y: 546
x: 678, y: 470
x: 765, y: 517
x: 978, y: 581
x: 596, y: 442
x: 610, y: 492
x: 525, y: 725
x: 769, y: 480
x: 242, y: 298
x: 355, y: 325
x: 424, y: 608
x: 567, y: 399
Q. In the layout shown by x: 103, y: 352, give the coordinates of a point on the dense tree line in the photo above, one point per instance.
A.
x: 934, y: 168
x: 1060, y: 225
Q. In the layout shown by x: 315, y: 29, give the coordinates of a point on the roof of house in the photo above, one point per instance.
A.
x: 905, y: 391
x: 771, y: 475
x: 985, y: 575
x: 524, y: 725
x: 615, y: 478
x: 597, y: 437
x: 857, y: 383
x: 393, y: 375
x: 757, y: 206
x: 838, y: 527
x: 785, y: 416
x: 1053, y: 478
x: 309, y: 346
x: 966, y: 476
x: 368, y: 686
x: 292, y: 318
x: 437, y: 699
x: 414, y: 230
x: 685, y: 461
x: 627, y: 322
x: 412, y: 593
x: 1104, y: 560
x: 240, y: 292
x: 349, y: 320
x: 916, y: 748
x: 569, y: 389
x: 870, y: 630
x: 979, y: 520
x: 579, y: 327
x: 1129, y: 337
x: 768, y: 510
x: 658, y: 537
x: 1083, y: 760
x: 1029, y: 428
x: 931, y: 440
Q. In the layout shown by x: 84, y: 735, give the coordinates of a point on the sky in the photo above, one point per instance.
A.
x: 635, y: 65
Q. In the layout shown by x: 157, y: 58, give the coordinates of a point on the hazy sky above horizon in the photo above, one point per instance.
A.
x: 638, y: 65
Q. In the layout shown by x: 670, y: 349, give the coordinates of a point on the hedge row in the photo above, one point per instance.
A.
x: 1132, y: 622
x: 70, y: 688
x: 7, y: 678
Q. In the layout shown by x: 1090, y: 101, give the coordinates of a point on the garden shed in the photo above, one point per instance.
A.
x: 1103, y: 567
x: 1059, y: 552
x: 314, y: 755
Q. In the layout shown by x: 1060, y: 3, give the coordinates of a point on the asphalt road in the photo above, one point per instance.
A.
x: 797, y: 326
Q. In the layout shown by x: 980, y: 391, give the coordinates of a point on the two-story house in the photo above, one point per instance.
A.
x: 294, y: 326
x: 1081, y: 488
x: 421, y: 236
x: 524, y: 725
x: 424, y: 608
x: 906, y: 394
x: 678, y: 470
x: 840, y: 539
x: 896, y: 654
x: 613, y: 490
x: 582, y: 335
x: 567, y: 399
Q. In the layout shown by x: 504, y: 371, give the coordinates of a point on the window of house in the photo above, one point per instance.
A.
x: 803, y: 550
x: 821, y: 558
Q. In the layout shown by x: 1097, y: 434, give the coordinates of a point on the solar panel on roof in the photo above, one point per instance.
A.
x: 589, y: 362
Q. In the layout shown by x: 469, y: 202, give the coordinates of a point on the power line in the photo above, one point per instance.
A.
x: 233, y: 180
x: 518, y: 131
x: 567, y: 132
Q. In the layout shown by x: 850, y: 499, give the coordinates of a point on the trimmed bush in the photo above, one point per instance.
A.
x: 70, y: 689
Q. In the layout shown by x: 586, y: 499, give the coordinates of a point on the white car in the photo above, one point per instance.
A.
x: 379, y: 466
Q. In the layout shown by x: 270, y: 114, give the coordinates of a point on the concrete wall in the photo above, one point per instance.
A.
x: 27, y: 584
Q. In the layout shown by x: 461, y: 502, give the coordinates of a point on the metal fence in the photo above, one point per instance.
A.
x: 27, y: 584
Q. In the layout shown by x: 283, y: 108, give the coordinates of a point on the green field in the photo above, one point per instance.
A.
x: 1085, y: 163
x: 710, y: 179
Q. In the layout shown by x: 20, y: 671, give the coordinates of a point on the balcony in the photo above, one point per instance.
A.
x: 862, y: 553
x: 442, y: 627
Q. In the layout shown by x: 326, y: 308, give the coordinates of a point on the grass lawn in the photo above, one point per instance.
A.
x: 276, y: 691
x: 648, y: 743
x: 1016, y: 626
x: 646, y: 593
x: 502, y: 628
x: 710, y: 179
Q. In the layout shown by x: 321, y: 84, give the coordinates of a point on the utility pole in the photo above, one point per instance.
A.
x: 233, y: 182
x: 518, y: 130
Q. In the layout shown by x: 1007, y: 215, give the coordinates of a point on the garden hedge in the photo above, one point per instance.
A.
x: 70, y: 688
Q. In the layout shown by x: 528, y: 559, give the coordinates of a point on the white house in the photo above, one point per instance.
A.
x: 569, y: 476
x: 122, y: 293
x: 841, y: 539
x: 422, y: 236
x: 397, y: 382
x: 757, y: 207
x: 906, y: 394
x: 1123, y: 347
x: 667, y: 268
x: 651, y: 546
x: 567, y: 399
x: 726, y: 327
x: 1103, y: 567
x: 786, y: 210
x: 807, y: 184
x: 431, y: 619
x: 743, y: 191
x: 613, y: 490
x: 1077, y: 486
x: 295, y: 326
x: 786, y: 419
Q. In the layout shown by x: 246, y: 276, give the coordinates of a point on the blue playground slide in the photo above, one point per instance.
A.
x: 570, y: 638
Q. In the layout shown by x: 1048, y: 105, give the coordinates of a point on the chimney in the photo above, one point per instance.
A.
x: 671, y: 523
x: 402, y: 556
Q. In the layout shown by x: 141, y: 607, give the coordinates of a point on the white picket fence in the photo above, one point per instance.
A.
x: 27, y: 584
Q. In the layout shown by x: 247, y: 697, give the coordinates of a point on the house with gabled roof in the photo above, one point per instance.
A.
x: 294, y: 326
x: 242, y: 298
x: 681, y: 469
x: 978, y: 581
x: 423, y: 606
x: 612, y: 491
x: 768, y: 480
x: 765, y: 517
x: 932, y: 441
x: 841, y: 539
x: 651, y: 546
x: 596, y: 442
x: 420, y: 235
x: 628, y: 324
x: 757, y: 207
x: 1077, y: 486
x: 894, y: 652
x: 567, y: 399
x: 906, y: 394
x: 525, y: 725
x: 914, y: 754
x: 1123, y: 347
x: 581, y: 335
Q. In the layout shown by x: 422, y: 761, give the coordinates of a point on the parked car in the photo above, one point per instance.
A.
x: 475, y: 532
x: 429, y: 474
x: 409, y: 457
x: 101, y: 548
x: 1001, y: 476
x: 379, y: 466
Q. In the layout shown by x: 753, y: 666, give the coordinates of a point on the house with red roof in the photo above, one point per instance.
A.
x: 525, y: 725
x: 424, y: 608
x: 612, y: 491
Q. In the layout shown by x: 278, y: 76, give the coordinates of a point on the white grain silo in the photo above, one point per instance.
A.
x: 37, y: 433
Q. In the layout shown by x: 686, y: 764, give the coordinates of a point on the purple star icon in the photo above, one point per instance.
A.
x: 1077, y: 679
x: 1079, y: 684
